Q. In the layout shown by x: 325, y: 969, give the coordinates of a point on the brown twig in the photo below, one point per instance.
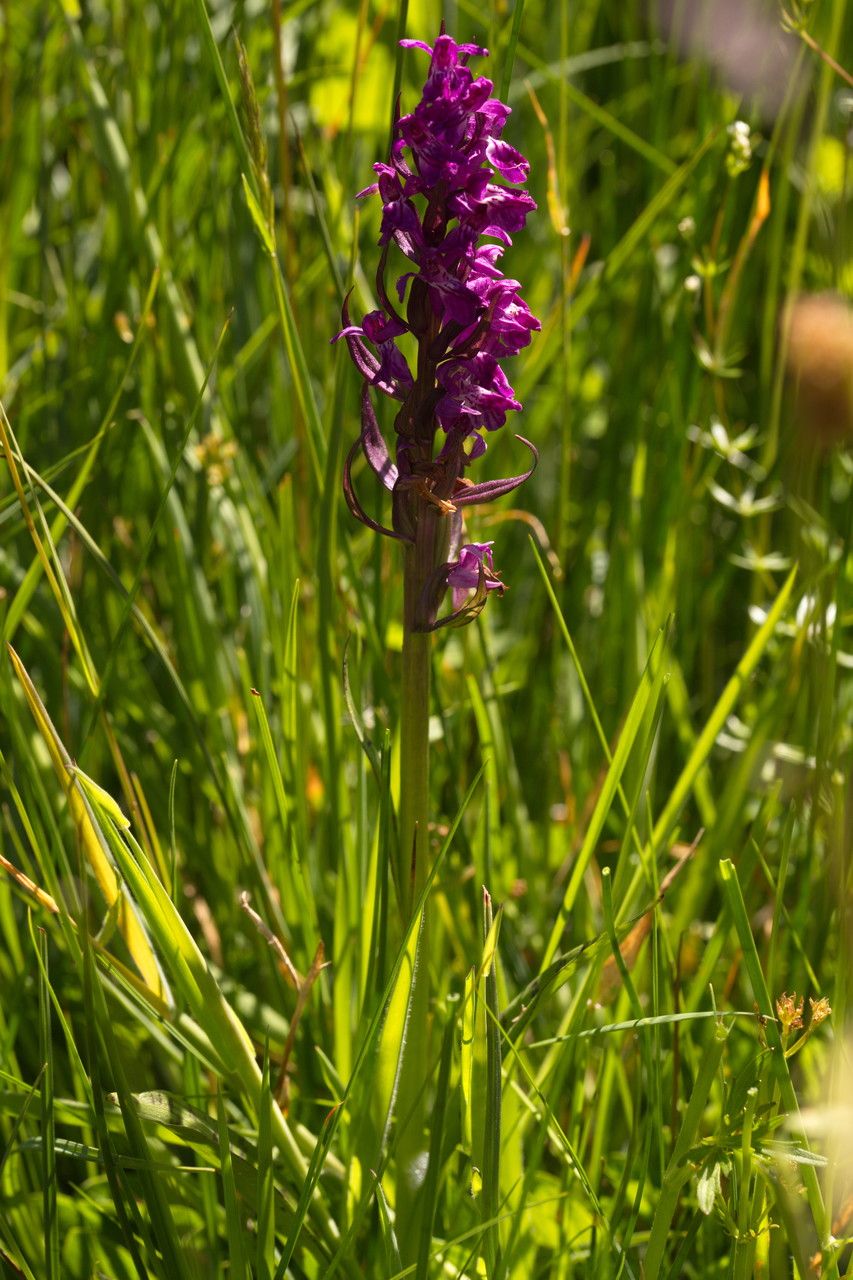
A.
x: 611, y: 977
x: 809, y: 40
x: 301, y: 985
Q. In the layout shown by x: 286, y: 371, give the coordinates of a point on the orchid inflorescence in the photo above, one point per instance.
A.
x: 447, y: 211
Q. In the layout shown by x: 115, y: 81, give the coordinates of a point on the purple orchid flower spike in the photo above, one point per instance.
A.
x: 452, y: 197
x: 452, y: 192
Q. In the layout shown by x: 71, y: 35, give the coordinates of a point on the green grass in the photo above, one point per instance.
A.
x: 201, y: 664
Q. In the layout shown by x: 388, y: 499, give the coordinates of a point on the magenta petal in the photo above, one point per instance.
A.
x: 477, y: 447
x: 416, y: 44
x: 349, y: 332
x: 465, y: 574
x: 510, y: 163
x: 379, y: 327
x: 364, y: 361
x: 373, y: 370
x: 393, y: 376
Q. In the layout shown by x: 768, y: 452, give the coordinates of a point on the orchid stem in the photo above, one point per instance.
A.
x: 413, y: 867
x: 414, y: 743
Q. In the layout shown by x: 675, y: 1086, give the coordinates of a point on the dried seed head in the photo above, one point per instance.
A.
x: 789, y: 1011
x: 821, y: 1010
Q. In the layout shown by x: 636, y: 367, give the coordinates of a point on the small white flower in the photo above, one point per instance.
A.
x: 739, y: 155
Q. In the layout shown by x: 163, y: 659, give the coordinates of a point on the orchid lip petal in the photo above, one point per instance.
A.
x: 488, y: 490
x: 353, y: 504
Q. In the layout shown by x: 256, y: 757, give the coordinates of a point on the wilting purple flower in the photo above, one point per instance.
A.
x: 450, y: 189
x: 475, y: 561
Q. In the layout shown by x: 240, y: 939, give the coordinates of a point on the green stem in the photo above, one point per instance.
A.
x: 743, y: 1257
x: 414, y: 745
x: 422, y: 558
x: 420, y: 563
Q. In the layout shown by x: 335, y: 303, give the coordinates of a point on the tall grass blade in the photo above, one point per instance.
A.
x: 92, y: 838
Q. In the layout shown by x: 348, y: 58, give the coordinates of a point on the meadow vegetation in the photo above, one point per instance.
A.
x: 642, y: 751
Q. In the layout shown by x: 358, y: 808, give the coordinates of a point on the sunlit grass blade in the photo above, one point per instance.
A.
x: 19, y: 1116
x: 509, y: 52
x: 45, y: 549
x: 131, y: 1226
x: 704, y: 743
x: 153, y: 532
x: 24, y: 594
x: 677, y: 1170
x: 645, y: 702
x: 191, y: 974
x: 266, y: 229
x: 265, y: 1245
x: 91, y: 836
x: 233, y: 1216
x: 174, y: 537
x: 607, y: 119
x: 291, y: 873
x: 134, y: 206
x: 152, y: 1186
x: 156, y: 644
x: 50, y: 1211
x: 493, y: 1087
x: 616, y: 259
x: 437, y: 1138
x: 372, y: 1031
x: 389, y: 1236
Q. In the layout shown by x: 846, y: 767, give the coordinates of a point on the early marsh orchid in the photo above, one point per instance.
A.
x: 451, y: 199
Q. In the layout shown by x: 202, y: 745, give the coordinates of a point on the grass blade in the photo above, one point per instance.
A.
x: 92, y: 839
x: 50, y: 1212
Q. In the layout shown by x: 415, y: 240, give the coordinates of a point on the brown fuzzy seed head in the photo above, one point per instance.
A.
x: 820, y: 367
